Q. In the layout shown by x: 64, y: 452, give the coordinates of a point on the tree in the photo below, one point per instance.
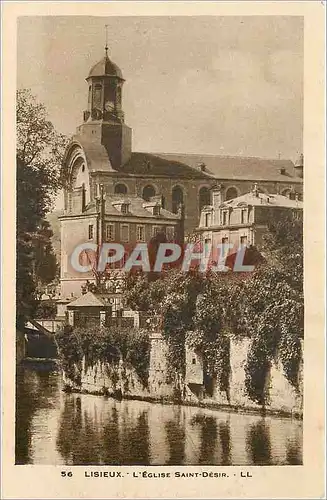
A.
x: 39, y: 145
x: 283, y: 246
x: 39, y: 155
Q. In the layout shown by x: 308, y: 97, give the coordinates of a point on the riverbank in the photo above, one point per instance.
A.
x: 210, y: 405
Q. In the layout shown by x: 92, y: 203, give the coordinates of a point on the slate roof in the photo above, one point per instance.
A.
x: 135, y: 208
x: 238, y: 167
x: 186, y: 166
x: 89, y: 299
x: 105, y: 67
x: 263, y: 199
x: 153, y: 164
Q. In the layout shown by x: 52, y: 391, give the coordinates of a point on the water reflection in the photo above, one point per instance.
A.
x: 76, y: 429
x: 258, y: 443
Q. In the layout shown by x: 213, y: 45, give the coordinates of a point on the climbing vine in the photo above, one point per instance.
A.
x: 204, y: 310
x: 107, y: 346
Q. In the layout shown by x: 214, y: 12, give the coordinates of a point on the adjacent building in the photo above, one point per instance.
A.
x: 243, y: 220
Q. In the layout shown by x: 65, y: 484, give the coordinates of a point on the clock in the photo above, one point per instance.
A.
x: 109, y: 106
x: 96, y: 114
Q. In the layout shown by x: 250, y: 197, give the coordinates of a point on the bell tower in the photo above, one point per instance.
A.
x: 104, y: 118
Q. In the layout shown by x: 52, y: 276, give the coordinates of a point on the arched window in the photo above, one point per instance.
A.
x: 204, y: 197
x: 120, y: 189
x: 177, y: 198
x: 231, y: 193
x: 148, y: 192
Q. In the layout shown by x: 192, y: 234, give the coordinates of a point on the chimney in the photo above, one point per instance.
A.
x: 255, y: 190
x: 298, y: 166
x: 217, y: 198
x: 202, y: 167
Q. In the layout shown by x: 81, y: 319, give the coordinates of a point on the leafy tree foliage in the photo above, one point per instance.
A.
x: 39, y: 153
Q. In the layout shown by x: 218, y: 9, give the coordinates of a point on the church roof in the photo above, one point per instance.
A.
x: 238, y: 167
x: 105, y: 67
x: 155, y: 164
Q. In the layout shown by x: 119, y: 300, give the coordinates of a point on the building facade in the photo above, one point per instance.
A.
x: 243, y: 220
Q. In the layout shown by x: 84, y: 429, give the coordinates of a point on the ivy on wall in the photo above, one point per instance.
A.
x: 205, y: 309
x: 104, y: 345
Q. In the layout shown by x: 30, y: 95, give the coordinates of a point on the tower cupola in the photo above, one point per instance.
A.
x: 103, y: 120
x: 105, y: 82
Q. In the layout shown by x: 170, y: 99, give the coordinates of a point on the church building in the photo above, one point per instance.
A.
x: 142, y: 193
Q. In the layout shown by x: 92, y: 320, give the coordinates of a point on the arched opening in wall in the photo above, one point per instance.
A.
x: 204, y: 197
x: 148, y: 192
x: 120, y: 189
x: 177, y: 198
x: 231, y: 193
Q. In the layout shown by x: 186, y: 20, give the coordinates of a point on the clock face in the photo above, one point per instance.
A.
x: 109, y: 106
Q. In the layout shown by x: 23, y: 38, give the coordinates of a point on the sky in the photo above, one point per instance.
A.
x: 211, y: 85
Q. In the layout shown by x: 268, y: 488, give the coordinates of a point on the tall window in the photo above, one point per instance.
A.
x: 170, y: 233
x: 91, y: 232
x: 177, y: 198
x: 156, y: 230
x: 120, y: 189
x: 110, y: 232
x: 207, y: 218
x: 243, y: 216
x: 124, y: 232
x: 207, y: 246
x: 83, y: 198
x: 97, y: 96
x: 140, y: 233
x: 224, y: 249
x: 148, y: 192
x: 204, y: 197
x: 224, y: 218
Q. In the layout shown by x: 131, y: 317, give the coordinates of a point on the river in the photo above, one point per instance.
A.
x: 55, y: 428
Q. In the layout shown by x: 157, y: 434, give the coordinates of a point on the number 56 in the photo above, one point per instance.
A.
x: 66, y: 474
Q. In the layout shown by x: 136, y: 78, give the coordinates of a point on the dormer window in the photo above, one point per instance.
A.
x: 156, y: 210
x: 153, y: 207
x: 122, y: 206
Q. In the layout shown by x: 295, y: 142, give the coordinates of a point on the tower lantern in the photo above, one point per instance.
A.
x: 105, y: 82
x: 104, y: 118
